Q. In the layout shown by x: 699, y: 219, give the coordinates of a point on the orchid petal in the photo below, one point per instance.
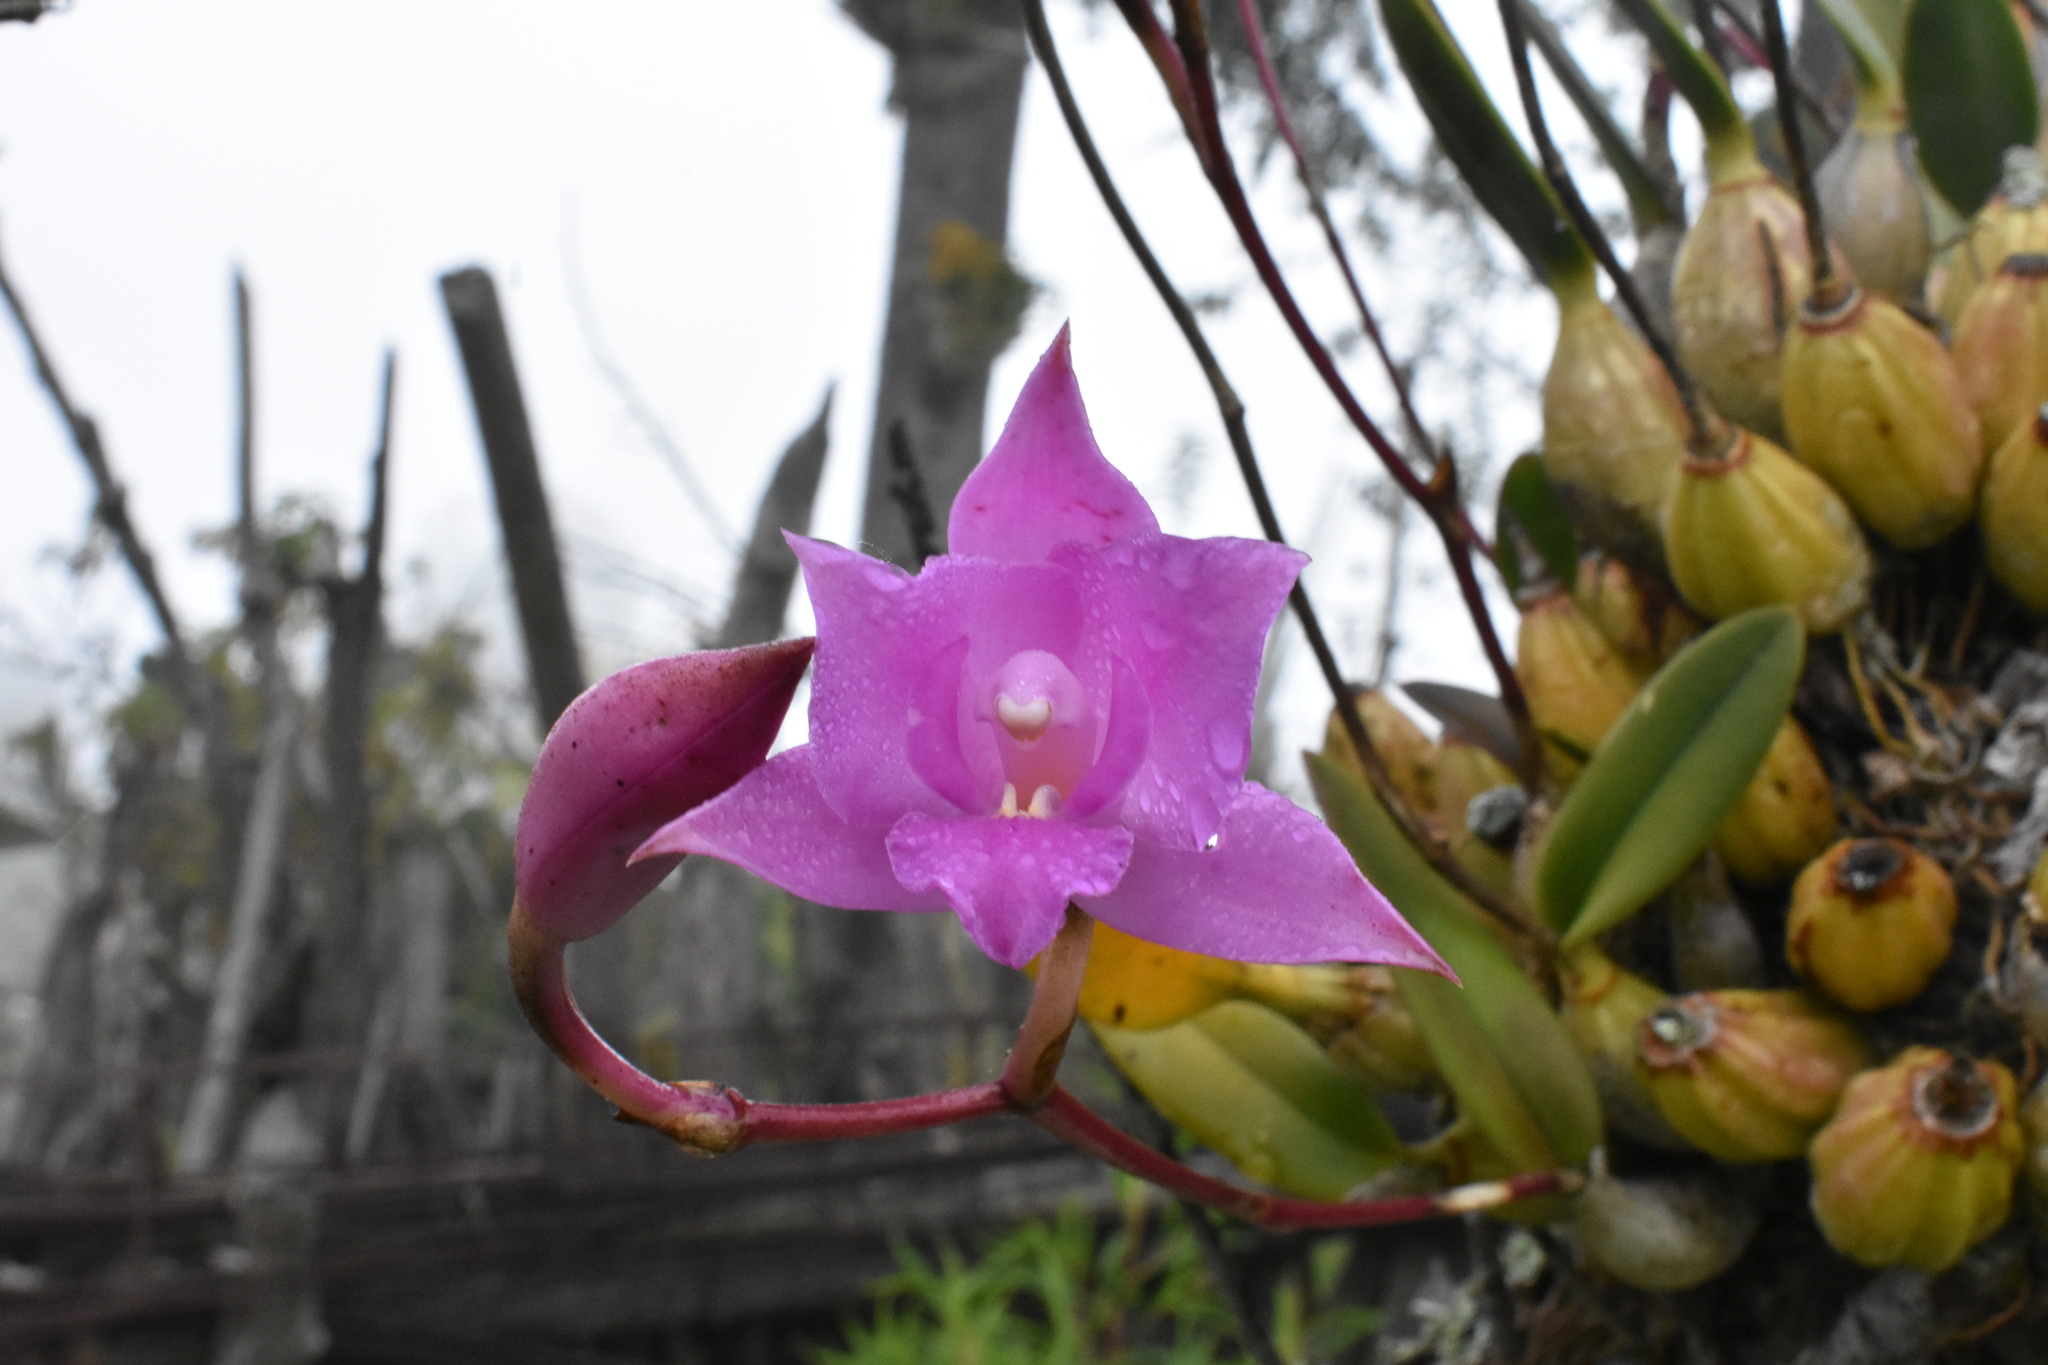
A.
x: 776, y: 825
x: 1008, y: 878
x: 933, y: 744
x: 879, y: 633
x: 1191, y: 617
x: 1277, y: 887
x: 1045, y: 482
x: 1126, y: 738
x: 636, y: 750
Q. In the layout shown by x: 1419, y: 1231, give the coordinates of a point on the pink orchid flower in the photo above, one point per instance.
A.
x: 1059, y: 711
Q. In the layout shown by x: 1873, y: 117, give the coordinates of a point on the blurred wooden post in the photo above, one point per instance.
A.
x: 530, y: 552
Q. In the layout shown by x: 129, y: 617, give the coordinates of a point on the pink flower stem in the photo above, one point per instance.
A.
x: 1034, y: 1062
x: 1276, y: 99
x: 1438, y: 496
x: 709, y: 1119
x: 1073, y: 1121
x: 703, y: 1116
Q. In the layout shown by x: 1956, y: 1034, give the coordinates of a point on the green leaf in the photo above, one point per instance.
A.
x: 1670, y: 769
x: 1480, y: 144
x: 1499, y: 1046
x: 1969, y: 94
x: 1249, y: 1084
x: 1530, y: 505
x: 1698, y: 82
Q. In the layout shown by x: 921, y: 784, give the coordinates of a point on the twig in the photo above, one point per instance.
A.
x: 1826, y: 291
x: 1755, y: 50
x: 1560, y: 178
x: 1276, y: 99
x: 112, y: 505
x: 906, y: 487
x: 1654, y: 199
x: 637, y: 407
x: 1231, y: 409
x: 1439, y: 495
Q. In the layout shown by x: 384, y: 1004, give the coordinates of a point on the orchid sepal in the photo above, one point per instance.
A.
x: 631, y: 754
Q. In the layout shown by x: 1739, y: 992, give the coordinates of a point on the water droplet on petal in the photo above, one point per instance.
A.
x: 1227, y: 745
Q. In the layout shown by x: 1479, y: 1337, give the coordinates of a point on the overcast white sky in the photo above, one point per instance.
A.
x: 722, y: 176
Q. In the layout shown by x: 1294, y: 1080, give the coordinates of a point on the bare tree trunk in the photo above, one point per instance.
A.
x: 204, y: 1129
x: 337, y: 1015
x: 959, y: 78
x: 530, y: 550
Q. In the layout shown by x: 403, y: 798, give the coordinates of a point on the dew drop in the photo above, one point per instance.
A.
x: 1227, y: 745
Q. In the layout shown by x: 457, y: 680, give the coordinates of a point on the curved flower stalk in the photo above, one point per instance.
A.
x: 1048, y: 726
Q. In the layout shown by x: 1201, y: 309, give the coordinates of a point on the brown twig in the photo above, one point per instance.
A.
x: 1826, y: 289
x: 1232, y: 411
x: 112, y: 506
x: 1438, y: 495
x: 1560, y: 178
x: 1276, y: 99
x: 1755, y: 49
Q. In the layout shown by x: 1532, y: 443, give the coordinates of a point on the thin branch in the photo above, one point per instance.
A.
x: 112, y: 505
x: 636, y: 407
x: 1276, y: 99
x: 1560, y: 178
x: 1653, y: 199
x: 1825, y: 286
x: 1439, y: 496
x: 1231, y: 408
x: 1754, y: 49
